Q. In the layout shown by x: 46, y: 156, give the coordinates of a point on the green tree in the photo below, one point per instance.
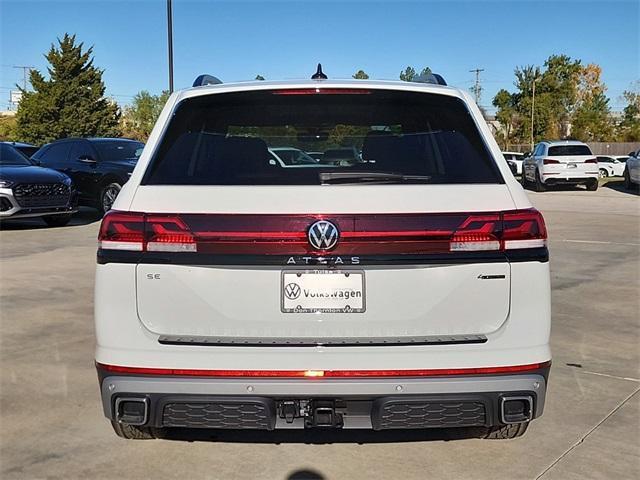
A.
x: 629, y: 127
x: 8, y: 128
x: 592, y: 115
x: 259, y: 77
x: 138, y: 119
x: 409, y: 74
x: 556, y: 99
x: 360, y: 75
x: 71, y: 102
x: 508, y: 117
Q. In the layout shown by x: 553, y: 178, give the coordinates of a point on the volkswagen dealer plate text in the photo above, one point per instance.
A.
x: 326, y: 291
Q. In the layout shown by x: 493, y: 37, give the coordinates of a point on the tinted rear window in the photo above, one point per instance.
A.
x: 566, y: 150
x: 224, y: 139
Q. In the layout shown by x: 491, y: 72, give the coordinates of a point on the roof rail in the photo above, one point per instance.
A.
x: 205, y: 79
x: 434, y: 78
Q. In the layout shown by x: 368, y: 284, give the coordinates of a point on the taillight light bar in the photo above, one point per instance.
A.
x: 591, y: 160
x: 550, y: 161
x: 362, y: 234
x: 439, y: 372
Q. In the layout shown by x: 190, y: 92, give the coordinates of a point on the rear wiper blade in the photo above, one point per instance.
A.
x: 360, y: 177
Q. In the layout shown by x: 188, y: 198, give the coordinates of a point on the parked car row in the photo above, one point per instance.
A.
x: 570, y: 162
x: 62, y: 175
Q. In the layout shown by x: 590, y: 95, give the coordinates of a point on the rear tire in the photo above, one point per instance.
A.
x: 504, y: 432
x: 524, y: 181
x: 603, y: 173
x: 627, y: 179
x: 57, y: 220
x: 133, y: 432
x: 107, y: 196
x: 540, y: 187
x: 592, y: 185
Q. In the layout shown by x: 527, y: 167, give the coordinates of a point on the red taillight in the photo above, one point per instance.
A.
x: 168, y: 233
x: 550, y: 161
x: 591, y: 160
x: 122, y: 231
x: 477, y: 233
x: 360, y: 234
x: 141, y: 232
x: 523, y: 229
x: 322, y: 91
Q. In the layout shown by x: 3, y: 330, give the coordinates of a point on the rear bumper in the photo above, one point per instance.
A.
x: 378, y: 403
x: 569, y: 178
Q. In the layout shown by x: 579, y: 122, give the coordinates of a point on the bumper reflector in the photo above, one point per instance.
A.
x: 321, y: 373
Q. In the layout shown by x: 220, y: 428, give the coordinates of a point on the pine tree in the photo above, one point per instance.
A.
x: 71, y: 103
x: 360, y: 75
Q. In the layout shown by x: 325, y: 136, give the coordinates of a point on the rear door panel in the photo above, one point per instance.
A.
x: 246, y: 302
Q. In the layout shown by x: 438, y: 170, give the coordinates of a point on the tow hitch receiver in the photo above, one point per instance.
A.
x: 322, y: 413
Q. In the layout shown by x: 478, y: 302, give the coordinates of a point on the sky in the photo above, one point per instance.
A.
x: 285, y: 40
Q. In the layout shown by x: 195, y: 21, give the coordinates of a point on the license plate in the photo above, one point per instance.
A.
x: 325, y: 291
x: 572, y: 165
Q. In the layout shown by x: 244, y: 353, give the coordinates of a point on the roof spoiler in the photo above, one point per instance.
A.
x: 434, y: 78
x: 205, y: 79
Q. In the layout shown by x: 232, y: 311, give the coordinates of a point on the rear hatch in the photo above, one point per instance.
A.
x: 409, y: 240
x: 568, y: 160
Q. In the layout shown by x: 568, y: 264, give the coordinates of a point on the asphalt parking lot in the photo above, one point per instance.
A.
x: 52, y: 426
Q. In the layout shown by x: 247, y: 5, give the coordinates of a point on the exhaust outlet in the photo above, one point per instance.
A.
x: 516, y: 409
x: 132, y: 411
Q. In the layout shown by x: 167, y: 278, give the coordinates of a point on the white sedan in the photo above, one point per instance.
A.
x: 610, y: 166
x: 516, y: 159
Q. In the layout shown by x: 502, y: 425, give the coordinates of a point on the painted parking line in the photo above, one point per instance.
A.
x: 596, y: 242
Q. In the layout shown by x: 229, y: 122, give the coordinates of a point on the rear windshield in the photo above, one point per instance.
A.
x: 117, y: 150
x: 363, y: 136
x: 566, y: 150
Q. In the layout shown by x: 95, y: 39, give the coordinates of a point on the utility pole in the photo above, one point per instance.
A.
x: 25, y: 71
x: 477, y: 89
x: 170, y: 41
x: 533, y: 104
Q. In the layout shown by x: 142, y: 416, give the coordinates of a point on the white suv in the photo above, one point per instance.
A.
x: 561, y: 162
x: 407, y: 289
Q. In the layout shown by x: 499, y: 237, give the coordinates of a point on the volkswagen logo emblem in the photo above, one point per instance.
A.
x: 292, y: 291
x: 323, y: 235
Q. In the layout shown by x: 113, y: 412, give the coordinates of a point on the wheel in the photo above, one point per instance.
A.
x: 627, y: 179
x: 539, y: 186
x: 108, y: 196
x: 524, y: 181
x: 503, y: 432
x: 603, y: 173
x: 57, y: 220
x: 592, y: 185
x: 133, y: 432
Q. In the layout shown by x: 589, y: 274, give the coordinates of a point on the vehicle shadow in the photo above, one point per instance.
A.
x: 84, y: 216
x: 319, y: 436
x: 619, y: 187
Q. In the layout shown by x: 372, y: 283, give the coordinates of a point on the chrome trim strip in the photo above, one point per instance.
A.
x: 318, y: 342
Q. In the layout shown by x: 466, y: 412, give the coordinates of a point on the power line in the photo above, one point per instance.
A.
x: 477, y: 89
x: 25, y: 70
